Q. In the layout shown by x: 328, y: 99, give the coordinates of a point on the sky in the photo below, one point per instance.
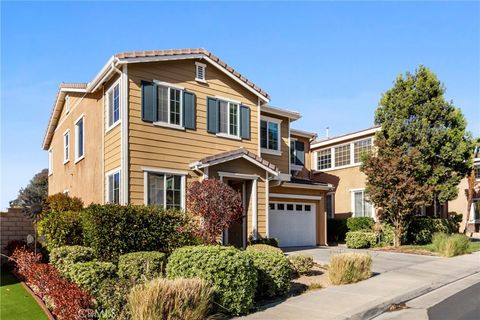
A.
x: 331, y: 61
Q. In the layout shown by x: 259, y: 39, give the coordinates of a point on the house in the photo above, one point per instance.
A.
x: 337, y: 162
x: 151, y: 122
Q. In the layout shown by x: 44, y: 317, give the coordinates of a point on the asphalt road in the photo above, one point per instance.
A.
x: 464, y: 305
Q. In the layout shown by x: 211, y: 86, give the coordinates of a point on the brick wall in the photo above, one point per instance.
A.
x: 14, y: 226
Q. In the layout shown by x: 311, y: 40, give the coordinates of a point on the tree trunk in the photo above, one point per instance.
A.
x: 435, y: 209
x: 470, y: 195
x: 398, y: 233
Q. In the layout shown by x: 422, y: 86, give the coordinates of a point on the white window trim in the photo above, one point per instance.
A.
x: 293, y: 166
x: 77, y: 158
x: 352, y: 202
x: 277, y: 152
x: 66, y: 155
x: 332, y: 152
x: 168, y: 124
x: 183, y: 183
x: 229, y: 102
x: 116, y: 123
x: 204, y: 66
x: 107, y: 176
x: 472, y: 212
x: 332, y: 194
x: 228, y: 136
x: 50, y: 161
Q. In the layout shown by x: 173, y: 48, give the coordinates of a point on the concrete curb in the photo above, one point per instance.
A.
x: 373, y: 310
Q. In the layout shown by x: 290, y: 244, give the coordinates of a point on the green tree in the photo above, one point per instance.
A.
x: 415, y: 114
x: 392, y: 184
x: 34, y: 194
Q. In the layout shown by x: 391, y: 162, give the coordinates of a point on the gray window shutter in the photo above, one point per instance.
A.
x: 245, y: 122
x: 189, y: 111
x: 212, y: 115
x: 149, y: 101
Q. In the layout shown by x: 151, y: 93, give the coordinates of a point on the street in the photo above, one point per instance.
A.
x: 464, y: 305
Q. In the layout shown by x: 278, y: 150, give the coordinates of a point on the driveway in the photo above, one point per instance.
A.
x: 382, y: 261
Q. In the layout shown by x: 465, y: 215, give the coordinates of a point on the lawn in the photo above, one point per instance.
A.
x: 427, y: 249
x: 15, y: 302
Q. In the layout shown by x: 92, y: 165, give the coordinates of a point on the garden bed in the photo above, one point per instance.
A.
x: 426, y: 249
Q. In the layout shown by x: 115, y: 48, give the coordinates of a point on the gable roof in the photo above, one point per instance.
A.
x: 233, y: 155
x: 137, y: 57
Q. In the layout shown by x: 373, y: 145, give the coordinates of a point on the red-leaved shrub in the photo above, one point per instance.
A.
x: 65, y: 299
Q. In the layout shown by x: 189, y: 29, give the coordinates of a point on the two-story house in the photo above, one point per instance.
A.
x: 151, y: 122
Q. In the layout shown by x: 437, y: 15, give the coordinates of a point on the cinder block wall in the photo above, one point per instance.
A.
x: 14, y: 226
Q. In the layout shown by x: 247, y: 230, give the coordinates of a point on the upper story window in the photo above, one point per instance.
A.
x: 297, y: 153
x: 67, y: 104
x: 164, y: 190
x: 113, y: 103
x: 66, y: 146
x: 343, y: 155
x: 270, y: 135
x: 477, y: 171
x: 200, y: 69
x: 80, y: 139
x: 113, y: 187
x: 168, y: 105
x: 227, y: 118
x: 361, y: 207
x: 50, y: 162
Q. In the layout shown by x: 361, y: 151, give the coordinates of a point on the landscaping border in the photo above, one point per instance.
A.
x: 36, y: 298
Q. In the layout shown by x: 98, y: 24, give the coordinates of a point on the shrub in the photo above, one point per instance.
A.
x: 138, y: 265
x: 264, y: 248
x: 63, y: 257
x: 421, y: 229
x: 61, y: 229
x: 228, y: 269
x: 112, y: 299
x: 438, y: 241
x: 336, y: 230
x: 268, y: 241
x: 456, y: 244
x: 90, y: 275
x: 171, y: 299
x: 23, y: 260
x: 361, y: 239
x: 387, y: 235
x: 13, y: 245
x: 112, y: 230
x: 301, y: 264
x: 349, y: 268
x: 274, y: 272
x: 62, y: 202
x: 360, y: 223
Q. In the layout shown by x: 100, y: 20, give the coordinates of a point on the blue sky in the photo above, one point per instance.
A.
x: 330, y: 61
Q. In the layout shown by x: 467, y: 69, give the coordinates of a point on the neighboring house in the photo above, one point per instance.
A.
x: 337, y: 162
x: 151, y: 122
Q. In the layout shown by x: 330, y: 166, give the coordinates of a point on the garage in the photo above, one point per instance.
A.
x: 293, y: 224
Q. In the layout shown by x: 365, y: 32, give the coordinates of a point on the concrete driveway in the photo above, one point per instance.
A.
x: 382, y: 261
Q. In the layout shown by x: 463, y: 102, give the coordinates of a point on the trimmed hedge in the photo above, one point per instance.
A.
x: 421, y: 229
x: 141, y: 265
x: 301, y: 264
x: 90, y: 275
x: 360, y: 223
x: 274, y: 272
x: 349, y: 268
x: 61, y: 202
x: 361, y: 239
x: 112, y: 230
x: 230, y: 270
x: 63, y: 257
x: 61, y: 229
x: 336, y: 230
x: 112, y: 299
x: 269, y: 241
x: 263, y: 248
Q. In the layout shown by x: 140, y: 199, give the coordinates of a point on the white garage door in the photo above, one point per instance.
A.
x: 293, y: 224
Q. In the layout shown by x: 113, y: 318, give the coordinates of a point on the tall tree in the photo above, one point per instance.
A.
x: 415, y: 113
x: 392, y: 184
x: 34, y: 194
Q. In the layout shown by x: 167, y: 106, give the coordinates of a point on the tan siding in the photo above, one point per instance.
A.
x: 282, y: 161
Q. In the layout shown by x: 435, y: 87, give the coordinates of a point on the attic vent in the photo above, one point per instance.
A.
x: 200, y: 72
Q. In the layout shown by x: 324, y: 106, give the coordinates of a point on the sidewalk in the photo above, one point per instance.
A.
x: 369, y: 298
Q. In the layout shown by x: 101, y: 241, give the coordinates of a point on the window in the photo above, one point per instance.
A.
x: 308, y: 207
x: 342, y: 155
x: 361, y: 147
x: 270, y: 134
x: 477, y: 171
x: 113, y: 102
x: 272, y: 206
x: 169, y: 102
x: 229, y: 118
x: 361, y: 206
x: 67, y: 104
x: 66, y: 146
x: 298, y: 207
x: 329, y: 205
x: 281, y: 206
x: 113, y: 187
x: 324, y: 159
x: 50, y: 162
x: 297, y: 153
x: 289, y: 207
x: 79, y: 139
x: 475, y: 213
x: 164, y: 190
x: 200, y: 72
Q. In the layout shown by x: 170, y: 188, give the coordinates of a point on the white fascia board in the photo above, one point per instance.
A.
x: 292, y: 115
x: 340, y: 139
x: 302, y: 133
x: 308, y: 186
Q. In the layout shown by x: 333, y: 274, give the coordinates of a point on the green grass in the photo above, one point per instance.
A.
x: 15, y: 302
x: 474, y: 246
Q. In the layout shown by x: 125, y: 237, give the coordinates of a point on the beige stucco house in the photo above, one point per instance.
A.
x: 151, y: 122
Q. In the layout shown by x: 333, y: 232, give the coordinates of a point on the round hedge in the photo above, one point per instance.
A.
x: 136, y: 265
x: 274, y: 272
x: 229, y: 270
x: 90, y: 275
x: 264, y: 248
x: 63, y: 257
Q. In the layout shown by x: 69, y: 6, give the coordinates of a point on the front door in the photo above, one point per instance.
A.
x: 236, y: 234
